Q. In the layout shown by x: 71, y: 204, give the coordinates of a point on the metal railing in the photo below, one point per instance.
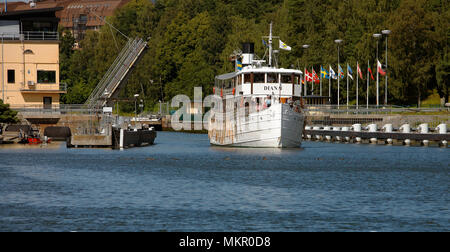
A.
x: 40, y: 87
x: 56, y: 109
x: 364, y: 110
x: 30, y: 35
x: 116, y: 73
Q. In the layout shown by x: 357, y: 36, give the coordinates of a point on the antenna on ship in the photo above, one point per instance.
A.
x: 270, y: 45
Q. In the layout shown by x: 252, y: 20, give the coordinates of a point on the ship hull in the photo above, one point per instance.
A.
x: 276, y: 127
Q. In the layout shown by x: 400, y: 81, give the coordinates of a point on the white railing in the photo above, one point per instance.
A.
x: 30, y: 35
x: 372, y: 109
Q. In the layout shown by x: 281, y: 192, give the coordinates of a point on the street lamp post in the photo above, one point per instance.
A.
x: 338, y: 42
x: 377, y: 36
x: 304, y: 74
x: 386, y: 32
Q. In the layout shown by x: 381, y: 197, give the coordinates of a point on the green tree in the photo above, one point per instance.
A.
x: 6, y: 114
x: 413, y: 44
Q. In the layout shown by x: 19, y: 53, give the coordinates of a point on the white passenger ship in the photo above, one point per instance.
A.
x: 259, y: 105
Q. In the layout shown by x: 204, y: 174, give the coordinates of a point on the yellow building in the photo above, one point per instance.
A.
x: 29, y: 55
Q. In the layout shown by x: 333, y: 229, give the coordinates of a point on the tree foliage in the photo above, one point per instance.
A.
x: 190, y: 41
x: 6, y: 114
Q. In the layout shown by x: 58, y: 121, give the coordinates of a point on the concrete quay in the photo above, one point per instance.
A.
x: 405, y: 135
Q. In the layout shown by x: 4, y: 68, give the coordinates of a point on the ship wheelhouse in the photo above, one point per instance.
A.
x: 260, y: 82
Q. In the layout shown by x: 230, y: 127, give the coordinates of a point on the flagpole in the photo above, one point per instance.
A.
x: 320, y: 80
x: 329, y: 87
x: 377, y: 36
x: 347, y: 88
x: 368, y: 81
x: 338, y: 41
x: 305, y: 84
x: 357, y: 85
x: 339, y: 88
x: 312, y: 80
x: 378, y: 85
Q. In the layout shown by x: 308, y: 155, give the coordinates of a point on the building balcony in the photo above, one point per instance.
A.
x: 30, y: 36
x: 32, y: 87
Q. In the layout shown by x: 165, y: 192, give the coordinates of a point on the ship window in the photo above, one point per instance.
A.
x: 286, y: 78
x: 259, y: 78
x: 247, y: 78
x: 272, y: 78
x: 297, y: 79
x: 46, y: 76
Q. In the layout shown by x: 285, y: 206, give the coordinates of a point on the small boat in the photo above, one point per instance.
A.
x: 37, y: 140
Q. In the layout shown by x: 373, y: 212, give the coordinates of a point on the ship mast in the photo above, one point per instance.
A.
x: 270, y: 46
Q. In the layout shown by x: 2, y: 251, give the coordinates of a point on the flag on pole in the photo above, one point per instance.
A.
x: 370, y: 71
x: 308, y: 75
x: 238, y: 65
x: 359, y: 71
x: 316, y: 77
x: 380, y: 69
x: 324, y: 73
x: 349, y: 71
x: 341, y: 72
x: 284, y: 46
x: 333, y: 74
x: 264, y: 43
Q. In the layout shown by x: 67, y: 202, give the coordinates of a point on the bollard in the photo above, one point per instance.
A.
x: 121, y: 139
x: 327, y: 128
x: 357, y: 128
x: 338, y: 138
x: 388, y: 128
x: 423, y: 128
x: 347, y: 139
x: 406, y: 128
x: 308, y: 128
x: 317, y: 136
x: 442, y: 128
x: 373, y: 128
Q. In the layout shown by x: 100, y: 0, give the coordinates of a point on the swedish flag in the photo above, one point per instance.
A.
x: 324, y: 73
x: 238, y: 65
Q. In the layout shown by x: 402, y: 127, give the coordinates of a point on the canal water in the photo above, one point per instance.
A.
x: 184, y: 184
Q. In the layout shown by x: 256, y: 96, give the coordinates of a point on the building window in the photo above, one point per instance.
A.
x: 46, y: 76
x: 11, y: 76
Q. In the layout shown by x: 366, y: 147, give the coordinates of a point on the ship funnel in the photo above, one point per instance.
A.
x: 248, y: 53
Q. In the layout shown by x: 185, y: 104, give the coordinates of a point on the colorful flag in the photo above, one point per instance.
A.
x: 349, y: 72
x: 324, y: 73
x: 284, y: 46
x: 315, y: 77
x: 370, y: 71
x: 333, y: 74
x: 380, y: 69
x: 308, y: 75
x: 239, y: 65
x: 359, y: 71
x: 264, y: 43
x: 341, y: 72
